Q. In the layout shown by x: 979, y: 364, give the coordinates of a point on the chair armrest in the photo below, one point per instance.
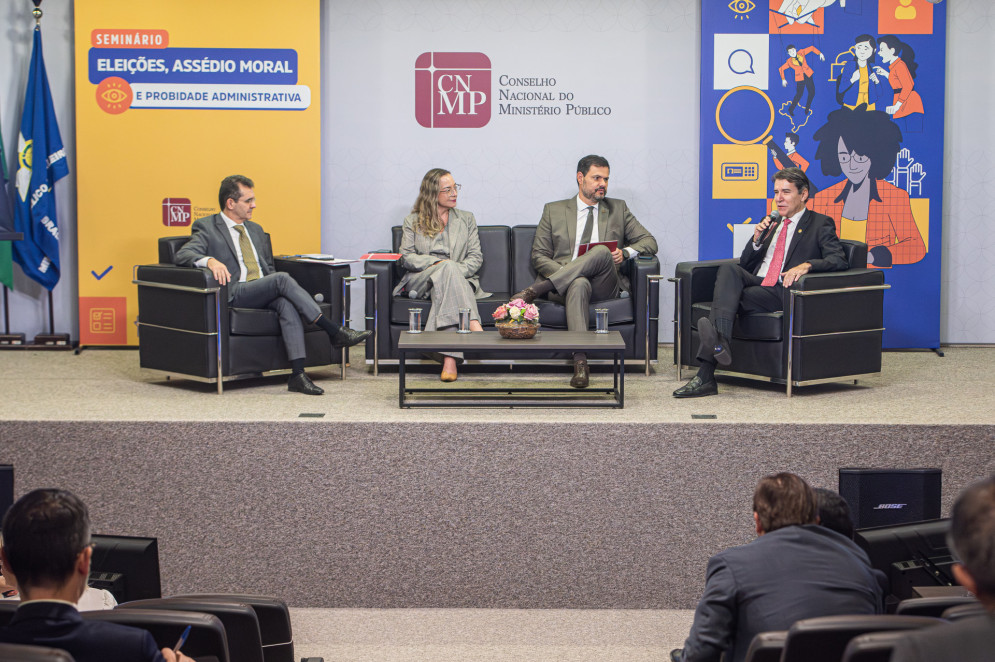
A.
x: 168, y: 274
x: 835, y: 302
x: 382, y: 286
x: 698, y: 279
x: 323, y: 279
x: 180, y: 298
x: 646, y: 320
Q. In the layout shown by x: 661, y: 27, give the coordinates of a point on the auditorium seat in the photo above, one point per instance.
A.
x: 825, y: 639
x: 872, y: 647
x: 964, y: 611
x: 829, y: 330
x: 207, y: 635
x: 239, y: 620
x: 766, y: 647
x: 274, y: 621
x: 19, y: 653
x: 934, y: 606
x: 7, y: 609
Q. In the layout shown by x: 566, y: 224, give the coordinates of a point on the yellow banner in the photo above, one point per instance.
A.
x: 171, y: 97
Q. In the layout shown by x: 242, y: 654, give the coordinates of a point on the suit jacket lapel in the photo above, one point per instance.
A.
x: 571, y: 222
x: 222, y: 227
x: 803, y: 224
x: 457, y: 236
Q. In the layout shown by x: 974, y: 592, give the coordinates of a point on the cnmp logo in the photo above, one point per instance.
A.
x: 453, y: 90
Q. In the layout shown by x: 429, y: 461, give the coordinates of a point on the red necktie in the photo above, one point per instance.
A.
x: 774, y: 270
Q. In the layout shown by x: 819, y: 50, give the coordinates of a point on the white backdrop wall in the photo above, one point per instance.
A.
x: 639, y: 58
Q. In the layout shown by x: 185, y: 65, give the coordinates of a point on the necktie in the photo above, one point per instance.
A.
x: 774, y: 270
x: 251, y: 266
x: 588, y: 227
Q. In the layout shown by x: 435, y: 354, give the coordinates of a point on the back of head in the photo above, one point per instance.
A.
x: 43, y: 534
x: 972, y: 534
x: 834, y: 512
x: 783, y: 499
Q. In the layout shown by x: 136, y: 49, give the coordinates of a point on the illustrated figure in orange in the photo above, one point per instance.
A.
x: 901, y: 73
x: 797, y: 160
x: 858, y: 84
x: 803, y: 75
x: 862, y: 145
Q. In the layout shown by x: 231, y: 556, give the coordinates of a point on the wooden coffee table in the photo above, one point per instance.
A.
x: 545, y: 342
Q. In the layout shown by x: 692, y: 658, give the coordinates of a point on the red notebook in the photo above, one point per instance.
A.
x: 583, y: 248
x: 383, y: 257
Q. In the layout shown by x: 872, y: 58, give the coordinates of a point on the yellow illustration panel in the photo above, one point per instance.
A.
x: 739, y: 171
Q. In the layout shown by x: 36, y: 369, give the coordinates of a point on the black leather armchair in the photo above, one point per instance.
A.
x: 187, y: 329
x: 830, y: 329
x: 507, y: 269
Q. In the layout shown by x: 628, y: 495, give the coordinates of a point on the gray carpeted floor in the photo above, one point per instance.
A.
x: 488, y: 635
x: 108, y: 385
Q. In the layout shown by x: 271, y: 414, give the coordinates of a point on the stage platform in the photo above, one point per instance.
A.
x: 347, y: 501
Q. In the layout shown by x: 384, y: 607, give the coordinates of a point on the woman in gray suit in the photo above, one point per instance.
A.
x: 440, y: 252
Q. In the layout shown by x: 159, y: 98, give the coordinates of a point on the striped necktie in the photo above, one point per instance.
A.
x: 244, y: 245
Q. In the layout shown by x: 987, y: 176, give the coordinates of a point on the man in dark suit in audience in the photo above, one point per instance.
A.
x: 46, y: 536
x: 794, y: 569
x: 238, y: 253
x: 972, y: 538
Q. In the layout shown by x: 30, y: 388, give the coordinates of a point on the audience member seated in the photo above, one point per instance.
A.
x: 47, y: 550
x: 834, y: 512
x: 972, y: 538
x: 440, y: 254
x: 92, y: 600
x: 794, y: 569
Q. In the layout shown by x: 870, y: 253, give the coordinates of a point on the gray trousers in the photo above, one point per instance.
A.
x: 592, y: 276
x: 449, y: 291
x: 279, y: 292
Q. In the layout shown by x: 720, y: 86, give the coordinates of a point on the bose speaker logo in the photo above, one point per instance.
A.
x: 453, y: 90
x: 890, y: 506
x: 176, y: 211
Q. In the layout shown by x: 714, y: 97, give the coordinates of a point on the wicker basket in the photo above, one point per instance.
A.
x: 516, y: 330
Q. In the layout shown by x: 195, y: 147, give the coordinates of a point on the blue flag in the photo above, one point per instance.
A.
x: 41, y: 161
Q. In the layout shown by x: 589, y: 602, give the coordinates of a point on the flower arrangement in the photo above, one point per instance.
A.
x: 517, y: 319
x: 517, y: 311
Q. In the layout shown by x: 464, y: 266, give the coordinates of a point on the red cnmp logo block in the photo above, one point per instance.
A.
x: 176, y: 212
x: 453, y: 90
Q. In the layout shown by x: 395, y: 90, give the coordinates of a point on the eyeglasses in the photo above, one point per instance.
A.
x: 857, y: 158
x: 449, y: 189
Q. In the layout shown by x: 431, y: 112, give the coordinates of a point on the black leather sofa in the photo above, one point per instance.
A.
x: 507, y: 269
x: 187, y: 329
x: 830, y: 329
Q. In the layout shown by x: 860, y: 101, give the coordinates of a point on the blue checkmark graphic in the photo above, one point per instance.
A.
x: 103, y: 273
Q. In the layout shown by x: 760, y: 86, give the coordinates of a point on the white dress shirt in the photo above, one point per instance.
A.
x: 769, y: 257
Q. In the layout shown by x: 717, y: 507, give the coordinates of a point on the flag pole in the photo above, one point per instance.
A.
x: 50, y: 339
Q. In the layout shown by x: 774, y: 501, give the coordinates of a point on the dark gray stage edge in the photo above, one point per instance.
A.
x: 454, y: 515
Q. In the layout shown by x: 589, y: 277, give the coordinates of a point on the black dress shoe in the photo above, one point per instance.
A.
x: 582, y: 375
x: 528, y: 295
x: 697, y: 388
x: 346, y: 337
x: 712, y: 344
x: 301, y: 383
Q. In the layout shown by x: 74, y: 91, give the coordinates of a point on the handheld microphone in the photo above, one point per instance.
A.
x: 775, y: 219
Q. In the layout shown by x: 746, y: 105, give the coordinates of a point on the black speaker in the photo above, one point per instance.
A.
x: 884, y: 497
x: 6, y: 488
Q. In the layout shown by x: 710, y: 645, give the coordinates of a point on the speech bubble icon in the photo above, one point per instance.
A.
x: 741, y: 62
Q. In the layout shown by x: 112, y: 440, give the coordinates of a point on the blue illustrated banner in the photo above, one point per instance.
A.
x: 853, y: 95
x: 258, y: 66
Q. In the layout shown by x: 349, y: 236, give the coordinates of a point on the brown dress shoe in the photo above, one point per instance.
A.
x: 582, y: 374
x: 528, y: 295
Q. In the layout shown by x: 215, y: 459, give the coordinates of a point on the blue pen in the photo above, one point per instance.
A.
x: 183, y: 639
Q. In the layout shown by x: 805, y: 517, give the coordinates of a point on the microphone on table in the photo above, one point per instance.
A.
x: 775, y: 219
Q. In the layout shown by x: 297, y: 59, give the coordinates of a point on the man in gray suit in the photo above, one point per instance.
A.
x: 794, y: 569
x: 972, y: 539
x: 238, y: 253
x: 575, y: 281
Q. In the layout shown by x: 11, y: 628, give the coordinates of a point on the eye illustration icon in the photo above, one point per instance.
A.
x: 742, y: 7
x: 114, y: 95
